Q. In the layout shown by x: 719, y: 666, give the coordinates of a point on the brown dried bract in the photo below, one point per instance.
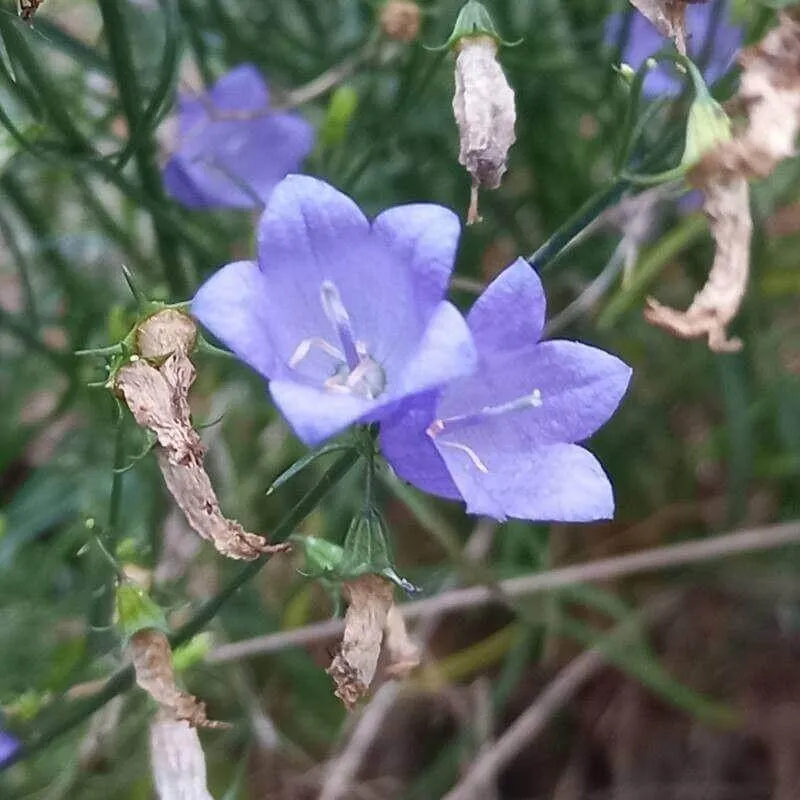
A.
x: 485, y: 113
x: 770, y: 94
x: 158, y: 400
x: 369, y: 599
x: 152, y: 662
x: 727, y: 205
x: 402, y: 654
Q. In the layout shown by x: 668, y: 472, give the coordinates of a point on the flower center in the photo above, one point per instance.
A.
x: 461, y: 421
x: 356, y: 372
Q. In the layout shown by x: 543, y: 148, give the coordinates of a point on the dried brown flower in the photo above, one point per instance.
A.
x: 177, y: 760
x: 158, y: 399
x: 400, y: 20
x: 770, y: 94
x: 152, y: 661
x: 727, y: 206
x: 369, y: 599
x: 485, y: 112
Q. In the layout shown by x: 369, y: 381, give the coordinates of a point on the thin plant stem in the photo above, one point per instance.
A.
x: 122, y: 680
x: 127, y: 81
x: 101, y: 605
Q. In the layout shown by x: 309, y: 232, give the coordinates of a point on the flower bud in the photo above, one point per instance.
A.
x: 400, y: 20
x: 706, y: 127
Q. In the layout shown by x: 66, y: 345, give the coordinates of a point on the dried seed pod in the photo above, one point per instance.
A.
x: 152, y: 662
x: 400, y: 20
x: 485, y: 113
x: 177, y: 760
x: 158, y: 397
x: 369, y: 599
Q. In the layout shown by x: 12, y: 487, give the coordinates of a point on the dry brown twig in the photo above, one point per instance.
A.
x: 770, y: 93
x: 696, y: 552
x: 155, y: 388
x: 533, y: 720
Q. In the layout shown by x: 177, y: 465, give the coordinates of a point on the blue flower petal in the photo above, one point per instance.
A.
x: 232, y: 148
x: 577, y: 388
x: 425, y: 237
x: 559, y: 482
x: 314, y: 413
x: 445, y: 352
x: 233, y: 305
x: 311, y: 233
x: 510, y: 313
x: 412, y: 453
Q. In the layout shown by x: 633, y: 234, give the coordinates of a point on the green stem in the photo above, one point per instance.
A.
x: 129, y: 90
x: 101, y: 605
x: 122, y: 680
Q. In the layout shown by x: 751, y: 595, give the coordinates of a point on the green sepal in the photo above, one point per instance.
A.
x: 706, y: 126
x: 137, y: 612
x: 473, y: 20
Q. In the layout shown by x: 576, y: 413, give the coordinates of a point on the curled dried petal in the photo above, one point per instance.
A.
x: 369, y: 599
x: 402, y: 654
x: 484, y: 109
x: 770, y: 93
x: 727, y: 205
x: 158, y: 398
x: 152, y: 662
x: 177, y: 760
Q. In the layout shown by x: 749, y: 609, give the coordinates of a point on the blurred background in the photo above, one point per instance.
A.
x: 701, y: 700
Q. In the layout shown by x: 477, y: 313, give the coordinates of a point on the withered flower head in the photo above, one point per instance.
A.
x: 770, y: 94
x: 483, y: 103
x: 155, y: 387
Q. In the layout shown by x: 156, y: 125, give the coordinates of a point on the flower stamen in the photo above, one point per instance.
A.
x: 305, y: 347
x: 335, y: 311
x: 532, y: 400
x: 470, y: 453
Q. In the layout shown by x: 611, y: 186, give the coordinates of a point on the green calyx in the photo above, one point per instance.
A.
x: 365, y: 551
x: 473, y: 21
x: 706, y: 126
x: 137, y: 612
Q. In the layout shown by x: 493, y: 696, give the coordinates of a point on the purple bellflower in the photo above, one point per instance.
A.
x: 503, y: 439
x: 232, y: 149
x: 9, y: 747
x: 715, y: 56
x: 344, y: 317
